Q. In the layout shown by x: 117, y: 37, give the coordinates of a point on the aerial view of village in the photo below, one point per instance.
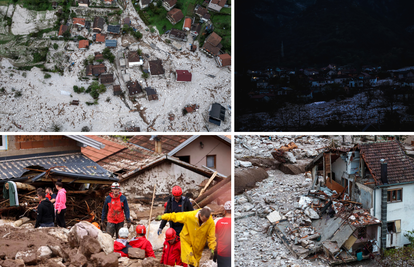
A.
x: 318, y: 66
x: 108, y: 65
x: 115, y: 201
x: 324, y: 200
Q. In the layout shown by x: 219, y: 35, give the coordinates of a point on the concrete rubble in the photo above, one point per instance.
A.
x: 285, y: 220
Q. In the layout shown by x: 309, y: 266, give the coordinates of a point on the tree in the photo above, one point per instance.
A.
x: 107, y: 54
x: 66, y: 34
x: 55, y: 46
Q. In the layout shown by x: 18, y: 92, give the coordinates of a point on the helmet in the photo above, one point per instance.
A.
x: 123, y: 232
x: 176, y: 191
x: 165, y: 205
x: 96, y: 225
x: 227, y: 205
x: 115, y: 185
x: 170, y: 234
x: 140, y: 229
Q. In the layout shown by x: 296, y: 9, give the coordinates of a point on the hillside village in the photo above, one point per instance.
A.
x: 332, y: 97
x: 99, y: 66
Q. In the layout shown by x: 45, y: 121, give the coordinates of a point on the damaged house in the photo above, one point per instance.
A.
x: 138, y: 166
x: 378, y: 177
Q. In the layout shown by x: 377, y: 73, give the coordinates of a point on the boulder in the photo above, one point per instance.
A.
x: 106, y: 242
x: 290, y: 158
x: 136, y: 264
x: 136, y: 253
x: 44, y: 253
x: 150, y: 262
x: 59, y: 252
x: 78, y: 260
x: 80, y: 230
x: 89, y: 246
x: 245, y: 164
x: 29, y: 257
x: 55, y: 262
x: 123, y: 261
x: 13, y: 263
x: 103, y: 260
x: 133, y: 215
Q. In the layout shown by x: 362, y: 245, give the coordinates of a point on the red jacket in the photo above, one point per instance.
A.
x: 121, y: 247
x: 171, y: 254
x: 142, y: 243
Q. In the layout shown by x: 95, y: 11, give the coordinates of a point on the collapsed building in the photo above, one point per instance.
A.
x: 353, y: 208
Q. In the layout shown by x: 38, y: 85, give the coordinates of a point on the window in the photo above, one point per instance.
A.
x: 394, y: 227
x: 394, y: 195
x: 211, y: 161
x: 3, y: 142
x: 184, y: 158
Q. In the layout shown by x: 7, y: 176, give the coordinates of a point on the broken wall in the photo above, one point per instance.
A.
x: 165, y: 175
x: 364, y: 195
x: 338, y: 167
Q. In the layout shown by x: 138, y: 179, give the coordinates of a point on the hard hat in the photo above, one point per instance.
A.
x: 123, y: 232
x: 140, y: 229
x: 115, y: 185
x: 227, y: 205
x: 170, y: 234
x: 176, y: 191
x: 96, y: 225
x: 165, y: 205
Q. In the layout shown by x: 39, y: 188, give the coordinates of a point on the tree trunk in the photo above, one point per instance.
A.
x: 22, y: 186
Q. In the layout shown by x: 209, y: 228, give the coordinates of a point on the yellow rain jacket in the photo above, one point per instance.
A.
x: 193, y: 236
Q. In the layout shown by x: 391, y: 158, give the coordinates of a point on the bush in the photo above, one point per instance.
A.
x: 55, y: 46
x: 78, y: 90
x: 107, y: 54
x: 47, y: 76
x: 95, y: 89
x: 139, y: 51
x: 185, y: 112
x: 85, y: 129
x: 18, y: 94
x: 145, y: 75
x: 56, y: 127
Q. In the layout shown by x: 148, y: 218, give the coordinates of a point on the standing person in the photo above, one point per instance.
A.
x: 45, y: 211
x: 50, y: 195
x: 121, y: 244
x: 114, y: 208
x: 171, y: 252
x: 140, y: 241
x: 198, y: 229
x: 223, y: 235
x: 177, y: 203
x: 60, y: 204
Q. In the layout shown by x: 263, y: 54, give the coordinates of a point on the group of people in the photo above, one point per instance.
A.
x: 52, y: 207
x: 185, y: 239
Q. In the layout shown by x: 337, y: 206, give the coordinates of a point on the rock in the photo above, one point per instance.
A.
x: 89, y: 246
x: 106, y: 242
x: 311, y: 213
x: 58, y: 251
x: 149, y: 262
x: 136, y: 253
x: 29, y: 257
x: 136, y: 264
x: 241, y: 200
x: 274, y: 217
x: 123, y: 261
x: 80, y: 230
x: 2, y: 255
x: 44, y: 253
x: 55, y: 262
x: 311, y: 153
x: 245, y: 164
x: 13, y: 263
x: 236, y: 164
x: 103, y: 260
x: 290, y: 157
x: 78, y: 260
x: 248, y: 207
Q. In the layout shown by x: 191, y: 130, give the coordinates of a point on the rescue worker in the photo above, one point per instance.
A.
x: 114, y: 208
x: 140, y: 241
x: 171, y: 252
x: 45, y: 211
x: 121, y: 244
x: 223, y: 235
x: 177, y: 203
x: 198, y: 228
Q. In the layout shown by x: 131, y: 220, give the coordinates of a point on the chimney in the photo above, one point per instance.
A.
x: 384, y: 178
x: 157, y: 139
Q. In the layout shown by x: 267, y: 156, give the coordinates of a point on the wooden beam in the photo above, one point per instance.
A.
x: 208, y: 183
x: 71, y: 180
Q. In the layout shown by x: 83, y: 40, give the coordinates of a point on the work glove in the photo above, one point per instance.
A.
x: 212, y: 254
x: 159, y: 218
x: 159, y: 231
x: 103, y: 226
x: 129, y: 224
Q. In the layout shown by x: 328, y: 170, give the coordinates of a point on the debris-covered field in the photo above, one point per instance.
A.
x: 279, y: 217
x: 31, y: 102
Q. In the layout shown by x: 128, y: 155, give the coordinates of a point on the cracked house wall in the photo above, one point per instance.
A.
x: 403, y: 211
x: 338, y: 167
x: 165, y: 175
x: 363, y: 194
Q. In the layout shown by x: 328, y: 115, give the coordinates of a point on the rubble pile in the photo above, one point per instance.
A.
x: 285, y: 149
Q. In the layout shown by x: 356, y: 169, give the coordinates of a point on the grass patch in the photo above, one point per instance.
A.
x: 225, y: 10
x: 222, y: 26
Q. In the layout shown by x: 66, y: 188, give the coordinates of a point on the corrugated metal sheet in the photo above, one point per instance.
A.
x: 74, y: 163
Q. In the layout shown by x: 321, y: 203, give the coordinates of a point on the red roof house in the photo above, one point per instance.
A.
x: 184, y: 76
